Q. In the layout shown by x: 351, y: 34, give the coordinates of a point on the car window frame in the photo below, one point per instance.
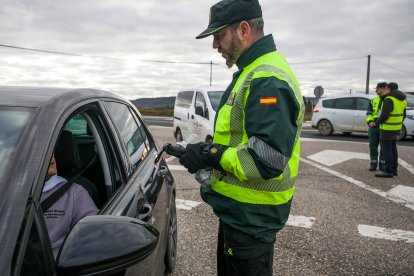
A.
x: 345, y: 98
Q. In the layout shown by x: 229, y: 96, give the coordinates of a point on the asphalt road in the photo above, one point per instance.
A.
x: 344, y: 220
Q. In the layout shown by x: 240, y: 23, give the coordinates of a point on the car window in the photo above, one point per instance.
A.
x: 328, y: 103
x: 215, y: 97
x: 362, y: 103
x: 129, y: 130
x: 77, y: 125
x: 344, y: 103
x: 201, y: 102
x: 13, y: 123
x: 184, y: 99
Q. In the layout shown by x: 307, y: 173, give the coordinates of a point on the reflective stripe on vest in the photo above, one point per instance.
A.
x: 395, y: 120
x: 274, y: 191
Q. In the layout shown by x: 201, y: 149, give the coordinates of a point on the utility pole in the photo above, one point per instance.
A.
x: 368, y: 71
x: 211, y: 72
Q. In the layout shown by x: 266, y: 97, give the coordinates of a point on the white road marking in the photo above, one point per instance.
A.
x: 404, y: 192
x: 386, y: 234
x: 186, y: 204
x: 360, y: 184
x: 176, y: 168
x: 333, y: 157
x: 300, y: 221
x: 409, y: 167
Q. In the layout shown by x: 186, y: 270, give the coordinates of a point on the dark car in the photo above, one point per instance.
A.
x: 110, y: 151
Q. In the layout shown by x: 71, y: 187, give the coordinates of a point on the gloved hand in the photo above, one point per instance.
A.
x: 202, y: 155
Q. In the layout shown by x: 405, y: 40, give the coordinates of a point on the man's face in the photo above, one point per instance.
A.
x: 228, y: 45
x: 380, y: 91
x: 52, y: 170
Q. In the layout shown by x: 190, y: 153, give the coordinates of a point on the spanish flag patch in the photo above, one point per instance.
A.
x: 268, y: 100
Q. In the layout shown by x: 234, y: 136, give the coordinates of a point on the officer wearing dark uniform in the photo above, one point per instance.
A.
x: 256, y: 147
x: 390, y: 121
x: 374, y: 131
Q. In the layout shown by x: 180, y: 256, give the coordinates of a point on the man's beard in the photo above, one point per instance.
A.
x: 234, y: 50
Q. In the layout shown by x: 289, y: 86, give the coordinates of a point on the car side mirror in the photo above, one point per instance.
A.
x: 105, y: 244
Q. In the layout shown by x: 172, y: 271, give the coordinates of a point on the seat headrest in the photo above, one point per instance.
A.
x: 66, y: 154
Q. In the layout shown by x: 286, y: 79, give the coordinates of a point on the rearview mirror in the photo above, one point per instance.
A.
x: 105, y: 244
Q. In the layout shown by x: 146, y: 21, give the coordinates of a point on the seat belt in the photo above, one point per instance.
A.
x: 50, y: 200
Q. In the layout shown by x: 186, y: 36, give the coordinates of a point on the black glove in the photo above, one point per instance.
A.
x: 202, y: 155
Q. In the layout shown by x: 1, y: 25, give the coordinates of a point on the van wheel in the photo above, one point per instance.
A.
x: 179, y: 136
x: 209, y: 139
x: 325, y: 128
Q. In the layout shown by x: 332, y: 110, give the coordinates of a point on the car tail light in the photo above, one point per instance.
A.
x: 315, y: 110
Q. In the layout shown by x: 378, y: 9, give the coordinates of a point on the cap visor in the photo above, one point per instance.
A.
x: 210, y: 31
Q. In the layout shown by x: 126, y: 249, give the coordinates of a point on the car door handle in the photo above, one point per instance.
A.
x: 145, y: 213
x: 192, y: 116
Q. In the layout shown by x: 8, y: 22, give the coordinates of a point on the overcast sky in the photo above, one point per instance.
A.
x: 326, y: 43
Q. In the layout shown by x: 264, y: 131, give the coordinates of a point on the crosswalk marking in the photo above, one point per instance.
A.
x: 404, y: 192
x: 384, y: 233
x: 333, y: 157
x: 185, y: 204
x: 300, y: 221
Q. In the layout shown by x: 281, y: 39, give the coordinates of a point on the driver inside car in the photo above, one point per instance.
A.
x: 67, y: 210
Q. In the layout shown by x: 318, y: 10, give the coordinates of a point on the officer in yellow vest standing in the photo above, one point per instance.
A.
x: 374, y: 131
x: 256, y: 148
x: 392, y: 114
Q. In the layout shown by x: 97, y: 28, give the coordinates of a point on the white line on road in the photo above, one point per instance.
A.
x: 176, y: 168
x: 171, y: 158
x: 300, y: 221
x: 404, y: 192
x: 360, y: 184
x: 333, y: 157
x: 186, y: 204
x: 384, y: 233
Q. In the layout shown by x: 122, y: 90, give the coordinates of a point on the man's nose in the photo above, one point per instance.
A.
x: 216, y: 43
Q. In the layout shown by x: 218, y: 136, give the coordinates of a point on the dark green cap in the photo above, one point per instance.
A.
x: 227, y: 12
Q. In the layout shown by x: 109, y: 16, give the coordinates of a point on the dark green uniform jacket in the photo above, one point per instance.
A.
x: 260, y: 118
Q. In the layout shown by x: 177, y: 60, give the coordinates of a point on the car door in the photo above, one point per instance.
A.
x: 360, y: 124
x: 146, y: 194
x: 344, y: 114
x: 201, y: 118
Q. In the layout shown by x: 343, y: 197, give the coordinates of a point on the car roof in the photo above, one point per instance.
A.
x: 368, y: 96
x: 25, y: 96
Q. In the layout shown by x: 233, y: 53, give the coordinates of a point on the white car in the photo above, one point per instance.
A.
x: 344, y: 113
x: 408, y: 124
x: 347, y: 114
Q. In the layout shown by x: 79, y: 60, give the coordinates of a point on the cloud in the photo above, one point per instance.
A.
x: 326, y: 42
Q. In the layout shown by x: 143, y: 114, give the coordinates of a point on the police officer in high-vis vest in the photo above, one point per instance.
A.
x: 373, y: 130
x: 392, y: 114
x: 255, y: 150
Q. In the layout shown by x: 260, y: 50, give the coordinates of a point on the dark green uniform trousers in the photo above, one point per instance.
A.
x: 239, y: 254
x: 374, y: 142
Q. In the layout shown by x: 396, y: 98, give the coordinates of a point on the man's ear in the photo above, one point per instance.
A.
x: 244, y: 30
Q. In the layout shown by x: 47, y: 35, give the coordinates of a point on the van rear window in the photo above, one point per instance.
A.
x: 184, y: 99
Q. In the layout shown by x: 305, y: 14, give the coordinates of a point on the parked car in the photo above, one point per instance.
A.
x: 136, y: 227
x: 408, y: 123
x: 344, y: 113
x: 194, y: 113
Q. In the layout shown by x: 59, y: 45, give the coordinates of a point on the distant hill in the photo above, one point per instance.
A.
x: 162, y: 106
x: 161, y: 102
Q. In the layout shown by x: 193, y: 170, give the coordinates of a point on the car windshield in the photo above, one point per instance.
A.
x: 12, y: 124
x: 215, y: 97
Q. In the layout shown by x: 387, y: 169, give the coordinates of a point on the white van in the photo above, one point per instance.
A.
x: 194, y: 113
